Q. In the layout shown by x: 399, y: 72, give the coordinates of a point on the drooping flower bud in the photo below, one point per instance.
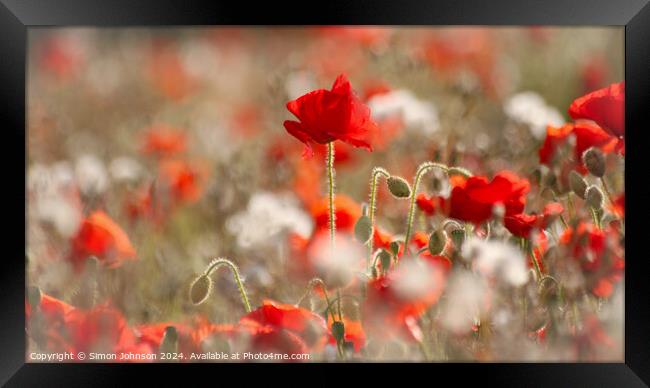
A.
x: 459, y: 171
x: 437, y: 242
x: 363, y: 229
x: 578, y: 184
x: 200, y: 289
x: 384, y: 259
x: 338, y: 331
x: 399, y: 187
x: 594, y: 197
x: 594, y: 160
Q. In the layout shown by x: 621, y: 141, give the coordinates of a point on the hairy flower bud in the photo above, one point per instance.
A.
x: 200, y: 289
x: 594, y: 160
x: 399, y: 187
x: 338, y: 331
x: 459, y: 171
x: 437, y: 242
x: 363, y: 229
x: 384, y: 259
x: 594, y: 197
x: 578, y: 184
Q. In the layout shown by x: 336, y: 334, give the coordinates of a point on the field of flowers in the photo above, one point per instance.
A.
x: 325, y: 194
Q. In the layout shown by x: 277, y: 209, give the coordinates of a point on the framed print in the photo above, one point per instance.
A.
x: 440, y: 186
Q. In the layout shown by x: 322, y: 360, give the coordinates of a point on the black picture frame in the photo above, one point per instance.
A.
x: 16, y: 16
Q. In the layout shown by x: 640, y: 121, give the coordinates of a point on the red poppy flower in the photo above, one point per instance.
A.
x: 375, y: 88
x: 100, y: 236
x: 163, y: 140
x: 46, y: 323
x: 347, y: 212
x: 555, y: 136
x: 59, y: 57
x: 167, y: 72
x: 101, y: 329
x: 292, y: 322
x: 190, y: 336
x: 472, y: 200
x: 522, y: 224
x: 142, y: 203
x: 381, y: 239
x: 427, y: 205
x: 587, y: 135
x: 590, y: 135
x: 599, y: 253
x: 328, y: 115
x: 184, y: 180
x: 604, y: 106
x: 392, y: 308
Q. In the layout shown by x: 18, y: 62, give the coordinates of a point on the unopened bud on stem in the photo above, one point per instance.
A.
x: 578, y: 184
x: 594, y: 160
x: 399, y: 187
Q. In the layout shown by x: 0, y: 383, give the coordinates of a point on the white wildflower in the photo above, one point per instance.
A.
x: 267, y: 216
x: 497, y: 259
x: 530, y: 109
x: 418, y: 115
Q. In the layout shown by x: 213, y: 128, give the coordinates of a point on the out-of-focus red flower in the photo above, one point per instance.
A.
x: 472, y: 200
x: 184, y: 180
x: 346, y: 211
x: 163, y: 140
x: 599, y: 253
x: 59, y: 57
x: 587, y: 135
x: 618, y: 207
x: 100, y: 236
x: 590, y: 135
x: 291, y: 323
x: 605, y: 106
x: 247, y: 120
x: 591, y: 338
x: 167, y: 72
x: 375, y: 88
x: 427, y: 205
x: 328, y: 115
x: 388, y: 313
x: 354, y: 333
x: 464, y: 48
x: 365, y: 36
x: 381, y: 239
x: 190, y: 335
x: 141, y: 204
x: 594, y: 72
x: 46, y: 323
x: 421, y: 240
x: 101, y: 329
x: 522, y: 224
x: 555, y: 136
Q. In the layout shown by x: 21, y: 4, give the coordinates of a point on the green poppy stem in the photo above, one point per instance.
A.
x: 377, y: 172
x: 422, y: 169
